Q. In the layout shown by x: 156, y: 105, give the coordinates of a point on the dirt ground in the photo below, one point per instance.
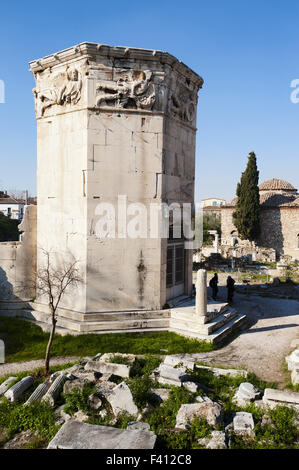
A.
x: 262, y: 347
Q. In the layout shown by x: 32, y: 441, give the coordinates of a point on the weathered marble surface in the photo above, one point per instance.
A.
x: 77, y: 435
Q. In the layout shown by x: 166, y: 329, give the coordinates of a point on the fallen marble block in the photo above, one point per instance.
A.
x: 129, y: 358
x: 121, y: 370
x: 274, y: 397
x: 121, y: 400
x: 6, y: 385
x: 246, y: 393
x: 172, y: 376
x: 216, y: 441
x: 105, y: 388
x: 18, y: 390
x: 190, y: 386
x: 138, y: 425
x: 76, y: 384
x: 243, y: 423
x: 211, y: 412
x: 174, y: 361
x: 77, y: 435
x: 87, y: 376
x: 218, y: 372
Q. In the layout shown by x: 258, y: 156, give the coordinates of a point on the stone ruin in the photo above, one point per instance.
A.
x: 115, y: 125
x: 110, y: 400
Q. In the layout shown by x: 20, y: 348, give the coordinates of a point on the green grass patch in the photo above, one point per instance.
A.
x: 118, y: 359
x: 77, y: 399
x: 26, y: 341
x: 38, y: 417
x: 281, y: 432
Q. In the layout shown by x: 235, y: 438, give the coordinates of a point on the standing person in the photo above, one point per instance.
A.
x: 214, y: 286
x: 230, y: 285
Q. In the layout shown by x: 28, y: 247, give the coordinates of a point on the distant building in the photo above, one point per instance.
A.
x: 279, y: 219
x: 212, y: 206
x: 11, y: 207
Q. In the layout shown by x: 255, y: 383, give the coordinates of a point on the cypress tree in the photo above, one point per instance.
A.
x: 247, y: 214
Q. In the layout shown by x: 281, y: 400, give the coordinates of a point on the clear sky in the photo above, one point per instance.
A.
x: 246, y: 51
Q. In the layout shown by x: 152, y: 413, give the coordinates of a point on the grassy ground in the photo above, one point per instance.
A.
x: 26, y: 341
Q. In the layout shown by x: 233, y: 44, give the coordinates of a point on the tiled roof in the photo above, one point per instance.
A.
x: 276, y: 184
x: 9, y: 200
x: 273, y: 199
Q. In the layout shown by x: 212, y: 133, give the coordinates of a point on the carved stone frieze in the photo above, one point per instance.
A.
x: 132, y: 89
x: 182, y: 103
x: 60, y: 88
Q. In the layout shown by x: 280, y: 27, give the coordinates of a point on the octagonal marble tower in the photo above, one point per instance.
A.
x: 113, y: 121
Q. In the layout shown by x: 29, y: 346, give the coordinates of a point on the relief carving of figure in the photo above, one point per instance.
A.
x: 66, y: 89
x: 132, y: 90
x: 182, y: 105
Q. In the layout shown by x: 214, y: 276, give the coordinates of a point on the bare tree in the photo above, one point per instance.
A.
x: 52, y: 281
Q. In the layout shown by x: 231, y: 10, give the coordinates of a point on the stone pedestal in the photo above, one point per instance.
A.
x: 115, y: 126
x: 201, y: 295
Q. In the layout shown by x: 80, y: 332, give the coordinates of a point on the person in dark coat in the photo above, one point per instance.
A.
x: 214, y: 286
x: 230, y: 285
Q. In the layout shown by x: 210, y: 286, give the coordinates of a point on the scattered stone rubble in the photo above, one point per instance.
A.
x: 118, y: 398
x: 121, y: 400
x: 243, y: 423
x: 211, y: 412
x: 246, y: 394
x: 274, y: 397
x: 216, y: 441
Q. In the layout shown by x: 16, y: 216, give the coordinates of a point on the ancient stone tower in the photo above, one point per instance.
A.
x: 115, y: 126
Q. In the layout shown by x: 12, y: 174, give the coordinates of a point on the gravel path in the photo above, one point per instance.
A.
x: 15, y: 367
x: 263, y: 346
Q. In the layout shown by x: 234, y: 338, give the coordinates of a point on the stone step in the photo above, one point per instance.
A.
x: 188, y: 314
x: 112, y: 325
x: 102, y: 316
x: 96, y: 326
x: 218, y: 322
x: 185, y: 320
x: 188, y: 323
x: 237, y: 322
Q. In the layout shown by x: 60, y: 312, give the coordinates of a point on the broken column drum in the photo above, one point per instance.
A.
x: 115, y: 126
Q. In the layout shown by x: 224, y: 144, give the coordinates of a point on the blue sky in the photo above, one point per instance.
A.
x: 246, y: 51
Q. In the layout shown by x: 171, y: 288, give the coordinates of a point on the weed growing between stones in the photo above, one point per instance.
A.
x: 77, y: 399
x: 278, y: 431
